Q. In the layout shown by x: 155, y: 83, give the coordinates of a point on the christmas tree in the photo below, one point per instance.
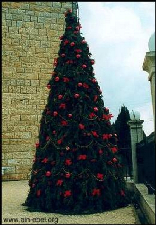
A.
x: 76, y: 168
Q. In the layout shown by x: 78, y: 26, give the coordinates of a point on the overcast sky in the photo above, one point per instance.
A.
x: 117, y: 34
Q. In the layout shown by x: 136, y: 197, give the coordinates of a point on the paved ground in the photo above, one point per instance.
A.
x: 14, y: 194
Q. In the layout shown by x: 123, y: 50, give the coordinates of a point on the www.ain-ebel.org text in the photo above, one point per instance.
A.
x: 31, y: 220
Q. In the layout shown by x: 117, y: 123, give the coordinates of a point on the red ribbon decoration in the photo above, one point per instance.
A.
x: 62, y: 106
x: 114, y: 149
x: 38, y: 193
x: 68, y: 162
x: 100, y: 176
x: 82, y: 157
x: 96, y: 192
x: 67, y: 193
x: 45, y: 160
x: 59, y: 182
x: 94, y: 133
x: 122, y: 193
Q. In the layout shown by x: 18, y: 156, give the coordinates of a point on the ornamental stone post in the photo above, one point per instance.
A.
x: 136, y: 131
x: 149, y: 66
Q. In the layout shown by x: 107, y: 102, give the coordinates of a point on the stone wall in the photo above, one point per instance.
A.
x: 30, y: 42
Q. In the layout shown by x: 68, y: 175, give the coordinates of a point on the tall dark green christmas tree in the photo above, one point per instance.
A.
x: 76, y: 167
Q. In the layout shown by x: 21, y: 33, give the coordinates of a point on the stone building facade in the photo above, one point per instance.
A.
x: 30, y: 42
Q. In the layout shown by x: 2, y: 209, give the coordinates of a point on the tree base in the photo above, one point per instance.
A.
x: 72, y: 211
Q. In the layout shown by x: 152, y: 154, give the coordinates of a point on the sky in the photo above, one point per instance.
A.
x: 118, y: 34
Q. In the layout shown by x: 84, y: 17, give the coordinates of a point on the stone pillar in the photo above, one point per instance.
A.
x: 149, y: 66
x: 136, y: 136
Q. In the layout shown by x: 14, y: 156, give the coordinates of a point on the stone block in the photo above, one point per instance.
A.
x: 28, y: 70
x: 39, y: 25
x: 17, y: 17
x: 4, y: 162
x: 6, y: 4
x: 26, y: 18
x: 42, y: 38
x: 31, y: 90
x: 21, y: 11
x: 56, y: 4
x: 49, y: 20
x: 34, y: 18
x: 45, y: 44
x: 42, y: 60
x: 13, y: 23
x: 13, y: 11
x: 19, y: 142
x: 4, y: 148
x: 3, y: 156
x: 35, y: 83
x: 39, y: 117
x: 53, y: 26
x: 15, y: 42
x: 8, y: 135
x: 23, y: 90
x: 17, y: 64
x: 40, y: 14
x: 8, y: 23
x: 29, y: 117
x: 8, y: 155
x: 43, y: 83
x: 9, y: 170
x: 47, y: 14
x: 3, y: 16
x: 5, y: 10
x: 29, y: 25
x: 10, y: 128
x: 25, y: 5
x: 41, y: 19
x: 14, y: 162
x: 15, y: 117
x: 4, y: 29
x: 16, y: 4
x: 19, y: 23
x: 37, y: 44
x: 5, y: 111
x: 21, y: 155
x: 25, y: 169
x: 15, y: 176
x: 6, y: 117
x: 5, y: 123
x: 13, y: 82
x: 49, y: 4
x: 14, y: 89
x: 42, y: 31
x: 60, y: 27
x: 20, y: 82
x: 5, y: 129
x: 29, y: 123
x: 23, y: 135
x: 5, y: 89
x: 38, y: 50
x: 13, y: 30
x: 60, y: 21
x: 47, y: 25
x: 5, y: 141
x: 30, y: 12
x: 33, y: 129
x: 19, y: 128
x: 8, y: 16
x: 33, y: 76
x: 42, y: 107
